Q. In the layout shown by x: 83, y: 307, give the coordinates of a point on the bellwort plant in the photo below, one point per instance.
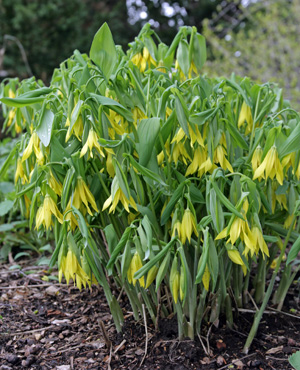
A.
x: 179, y: 190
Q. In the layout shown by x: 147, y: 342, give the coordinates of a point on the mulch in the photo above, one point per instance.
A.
x: 54, y: 326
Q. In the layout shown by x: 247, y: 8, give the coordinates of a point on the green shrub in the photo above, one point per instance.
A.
x: 164, y: 183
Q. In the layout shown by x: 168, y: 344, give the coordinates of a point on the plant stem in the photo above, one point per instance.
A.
x: 259, y: 314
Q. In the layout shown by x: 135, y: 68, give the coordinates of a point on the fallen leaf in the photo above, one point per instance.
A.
x: 220, y: 344
x: 52, y: 290
x: 274, y: 350
x: 220, y: 360
x: 240, y: 365
x: 63, y: 367
x: 61, y: 322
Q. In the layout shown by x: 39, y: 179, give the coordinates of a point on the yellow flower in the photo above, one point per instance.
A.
x: 188, y: 226
x: 11, y: 94
x: 71, y: 269
x: 256, y: 158
x: 27, y: 205
x: 45, y: 212
x: 109, y: 165
x: 33, y: 146
x: 175, y: 286
x: 92, y: 142
x: 240, y: 229
x: 77, y: 128
x: 206, y: 277
x: 235, y: 257
x: 288, y: 221
x: 151, y: 276
x: 119, y: 196
x: 176, y: 229
x: 270, y: 167
x: 141, y: 60
x: 260, y: 244
x: 11, y: 116
x: 180, y: 151
x: 135, y: 265
x: 20, y: 173
x: 55, y: 185
x: 219, y: 157
x: 245, y: 115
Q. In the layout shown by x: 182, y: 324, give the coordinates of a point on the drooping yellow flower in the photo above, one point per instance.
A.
x: 55, y: 185
x: 119, y: 196
x: 151, y: 276
x: 135, y: 265
x: 207, y: 166
x: 138, y: 115
x: 176, y: 229
x: 77, y: 128
x: 20, y: 172
x: 27, y: 205
x: 45, y: 213
x: 288, y: 161
x: 11, y: 94
x: 179, y: 151
x: 245, y: 115
x: 33, y: 146
x: 260, y: 244
x: 71, y: 269
x: 256, y: 158
x: 175, y: 286
x: 141, y: 60
x: 81, y: 199
x: 288, y: 222
x: 92, y: 142
x: 270, y: 167
x: 109, y: 165
x: 206, y: 277
x: 188, y: 226
x: 239, y: 229
x: 235, y: 257
x: 219, y: 157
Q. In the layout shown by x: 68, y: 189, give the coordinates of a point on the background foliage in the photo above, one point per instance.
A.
x: 261, y: 43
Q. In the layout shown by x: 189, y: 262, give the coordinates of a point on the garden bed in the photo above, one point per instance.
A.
x: 55, y: 326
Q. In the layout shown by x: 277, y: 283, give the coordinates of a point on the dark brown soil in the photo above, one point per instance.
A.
x: 45, y: 326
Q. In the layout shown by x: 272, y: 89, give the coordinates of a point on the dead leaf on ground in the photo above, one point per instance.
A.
x: 274, y: 350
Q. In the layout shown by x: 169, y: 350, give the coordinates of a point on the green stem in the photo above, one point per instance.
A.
x: 254, y: 121
x: 259, y: 314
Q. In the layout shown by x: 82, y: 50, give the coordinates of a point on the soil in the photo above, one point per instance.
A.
x: 54, y: 326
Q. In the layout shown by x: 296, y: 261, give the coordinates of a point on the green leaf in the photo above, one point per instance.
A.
x: 199, y: 50
x: 144, y: 171
x: 21, y: 254
x: 147, y: 130
x: 183, y: 57
x: 125, y: 237
x: 294, y: 360
x: 143, y: 270
x: 44, y: 128
x: 114, y: 105
x: 103, y: 51
x: 162, y: 270
x: 182, y: 119
x: 28, y: 98
x: 292, y: 143
x: 203, y: 258
x: 202, y: 117
x: 8, y: 161
x: 169, y: 208
x: 235, y: 134
x: 293, y: 253
x: 225, y: 201
x: 5, y: 207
